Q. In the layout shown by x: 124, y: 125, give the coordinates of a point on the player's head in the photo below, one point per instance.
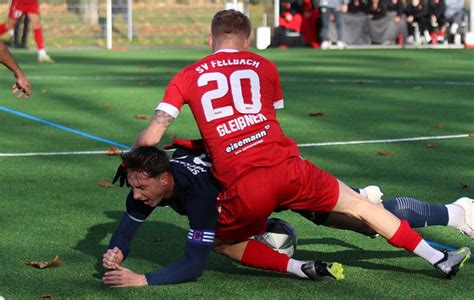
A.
x: 230, y: 29
x: 148, y: 173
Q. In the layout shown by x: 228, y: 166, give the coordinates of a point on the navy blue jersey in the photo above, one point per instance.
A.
x: 194, y: 195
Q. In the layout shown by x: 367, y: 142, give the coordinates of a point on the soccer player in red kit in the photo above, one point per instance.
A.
x: 19, y: 8
x: 233, y: 95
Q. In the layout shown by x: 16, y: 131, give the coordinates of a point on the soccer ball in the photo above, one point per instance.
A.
x: 280, y: 236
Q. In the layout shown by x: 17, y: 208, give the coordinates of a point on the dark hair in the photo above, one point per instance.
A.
x: 149, y: 160
x: 230, y: 22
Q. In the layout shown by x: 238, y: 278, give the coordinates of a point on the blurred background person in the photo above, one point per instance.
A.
x: 20, y: 35
x: 386, y: 26
x: 30, y: 8
x: 396, y: 11
x: 288, y: 32
x: 332, y: 10
x: 456, y: 16
x: 417, y: 12
x: 437, y: 20
x: 356, y: 24
x: 311, y: 23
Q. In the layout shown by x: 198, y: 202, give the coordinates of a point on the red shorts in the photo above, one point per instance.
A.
x: 294, y: 184
x: 19, y: 9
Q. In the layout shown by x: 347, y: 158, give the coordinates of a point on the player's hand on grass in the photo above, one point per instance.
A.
x: 112, y: 259
x: 123, y: 277
x: 121, y: 175
x: 22, y: 87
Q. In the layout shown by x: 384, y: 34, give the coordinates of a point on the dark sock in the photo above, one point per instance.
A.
x: 417, y: 213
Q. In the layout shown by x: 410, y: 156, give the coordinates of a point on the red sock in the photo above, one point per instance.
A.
x: 261, y: 256
x: 39, y: 38
x: 405, y: 237
x: 3, y: 28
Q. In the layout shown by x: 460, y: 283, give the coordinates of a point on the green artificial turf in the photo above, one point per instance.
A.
x: 53, y: 205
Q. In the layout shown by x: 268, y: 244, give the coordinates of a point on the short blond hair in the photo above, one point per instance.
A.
x: 230, y: 22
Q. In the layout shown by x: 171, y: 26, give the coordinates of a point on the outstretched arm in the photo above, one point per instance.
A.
x: 22, y: 85
x: 189, y: 267
x: 124, y: 234
x: 156, y: 129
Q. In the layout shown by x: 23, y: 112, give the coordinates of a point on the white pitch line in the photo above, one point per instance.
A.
x: 52, y: 153
x: 283, y: 79
x: 421, y: 138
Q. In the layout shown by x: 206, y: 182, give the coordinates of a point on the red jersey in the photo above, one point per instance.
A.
x: 233, y: 96
x: 24, y: 2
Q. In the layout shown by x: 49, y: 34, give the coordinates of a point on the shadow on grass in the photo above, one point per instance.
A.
x: 162, y: 243
x: 355, y: 256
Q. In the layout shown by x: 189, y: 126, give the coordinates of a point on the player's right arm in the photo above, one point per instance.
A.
x: 165, y: 113
x: 130, y: 222
x: 155, y: 131
x: 201, y: 209
x: 22, y: 85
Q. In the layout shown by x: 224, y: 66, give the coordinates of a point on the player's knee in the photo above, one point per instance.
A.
x: 359, y: 208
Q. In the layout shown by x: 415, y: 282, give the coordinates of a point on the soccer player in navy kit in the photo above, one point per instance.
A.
x: 187, y: 186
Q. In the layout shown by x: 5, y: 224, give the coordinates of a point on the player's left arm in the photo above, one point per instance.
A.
x: 22, y: 85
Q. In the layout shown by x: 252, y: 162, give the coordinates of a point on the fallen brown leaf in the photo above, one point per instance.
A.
x: 385, y: 153
x: 416, y: 88
x: 44, y: 91
x: 108, y: 106
x: 105, y: 184
x: 464, y: 185
x: 44, y: 264
x: 432, y: 145
x: 438, y: 126
x: 317, y: 114
x: 142, y: 117
x: 113, y: 151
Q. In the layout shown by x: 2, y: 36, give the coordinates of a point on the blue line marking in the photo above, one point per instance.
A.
x: 55, y: 125
x: 125, y: 147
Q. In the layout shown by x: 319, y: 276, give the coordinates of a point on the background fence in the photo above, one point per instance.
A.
x: 155, y: 22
